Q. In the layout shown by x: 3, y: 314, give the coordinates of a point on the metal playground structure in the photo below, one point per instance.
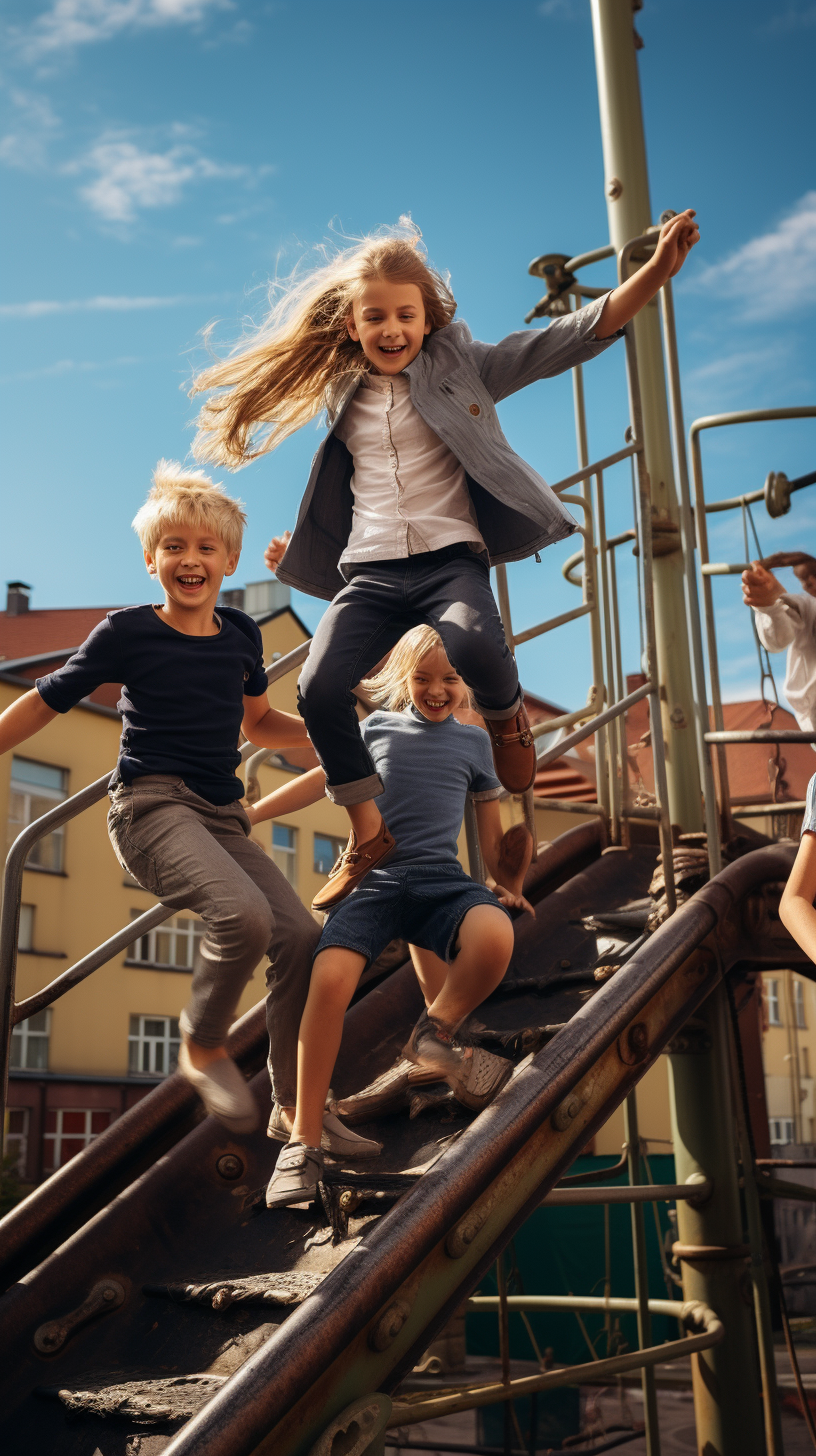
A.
x: 140, y: 1279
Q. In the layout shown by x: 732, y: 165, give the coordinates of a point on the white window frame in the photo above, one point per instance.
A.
x: 782, y: 1131
x: 29, y: 791
x: 799, y: 1005
x: 143, y: 1045
x: 17, y: 1141
x: 54, y: 1140
x: 339, y: 843
x: 285, y: 856
x: 25, y: 1037
x: 772, y: 1002
x: 184, y: 932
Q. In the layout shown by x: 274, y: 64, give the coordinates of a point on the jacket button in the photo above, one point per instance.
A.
x: 474, y: 409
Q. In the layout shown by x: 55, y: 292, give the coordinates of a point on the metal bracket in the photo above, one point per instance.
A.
x: 355, y: 1430
x: 105, y: 1296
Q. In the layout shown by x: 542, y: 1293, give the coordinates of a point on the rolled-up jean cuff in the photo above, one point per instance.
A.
x: 499, y: 714
x: 357, y: 792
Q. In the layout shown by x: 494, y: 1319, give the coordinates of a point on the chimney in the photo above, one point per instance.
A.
x: 17, y: 598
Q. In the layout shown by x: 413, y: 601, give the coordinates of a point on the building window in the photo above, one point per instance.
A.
x: 172, y: 946
x: 781, y: 1131
x: 327, y: 849
x: 25, y: 933
x: 153, y: 1045
x: 16, y: 1138
x: 804, y: 1061
x: 36, y: 788
x: 284, y: 851
x: 29, y: 1043
x: 799, y: 1004
x: 68, y: 1130
x: 772, y: 1003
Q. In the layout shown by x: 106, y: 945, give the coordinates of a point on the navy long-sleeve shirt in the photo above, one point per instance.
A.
x: 182, y: 697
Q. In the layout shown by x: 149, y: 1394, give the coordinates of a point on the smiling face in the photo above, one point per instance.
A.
x: 389, y: 324
x: 435, y: 688
x: 190, y: 562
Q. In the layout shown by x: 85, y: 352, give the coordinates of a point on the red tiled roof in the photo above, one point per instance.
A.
x: 563, y: 779
x: 749, y: 765
x: 31, y: 633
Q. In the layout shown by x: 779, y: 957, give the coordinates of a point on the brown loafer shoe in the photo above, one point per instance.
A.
x: 353, y: 865
x: 514, y: 754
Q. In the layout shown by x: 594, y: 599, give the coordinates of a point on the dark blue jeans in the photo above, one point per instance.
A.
x: 448, y: 589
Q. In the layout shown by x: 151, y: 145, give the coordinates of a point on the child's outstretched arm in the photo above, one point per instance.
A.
x: 273, y: 555
x: 269, y: 727
x: 508, y: 882
x: 306, y: 789
x: 23, y: 719
x: 677, y: 238
x: 796, y: 910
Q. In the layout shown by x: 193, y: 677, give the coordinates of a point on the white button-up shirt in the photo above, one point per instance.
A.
x: 410, y: 492
x: 791, y: 622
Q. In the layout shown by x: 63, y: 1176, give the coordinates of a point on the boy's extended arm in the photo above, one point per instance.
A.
x: 24, y: 718
x: 269, y: 727
x: 796, y: 906
x: 306, y: 789
x: 507, y: 887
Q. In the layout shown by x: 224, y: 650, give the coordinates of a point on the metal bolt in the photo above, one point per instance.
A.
x: 565, y: 965
x: 229, y: 1166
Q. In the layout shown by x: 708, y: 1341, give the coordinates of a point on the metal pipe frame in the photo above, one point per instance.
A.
x: 696, y: 1191
x: 413, y: 1408
x: 762, y: 735
x: 710, y: 422
x: 737, y: 501
x: 671, y: 1308
x: 686, y: 521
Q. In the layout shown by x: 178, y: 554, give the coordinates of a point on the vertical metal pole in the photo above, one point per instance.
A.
x: 629, y: 212
x: 647, y: 1374
x: 701, y: 722
x: 590, y: 582
x: 476, y: 865
x: 762, y: 1302
x: 614, y: 730
x: 504, y: 1350
x: 727, y: 1403
x: 644, y: 499
x: 710, y: 623
x: 504, y: 606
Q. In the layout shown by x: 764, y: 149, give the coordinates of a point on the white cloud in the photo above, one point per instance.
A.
x: 773, y: 274
x: 103, y: 303
x: 25, y: 145
x: 129, y: 178
x: 82, y: 22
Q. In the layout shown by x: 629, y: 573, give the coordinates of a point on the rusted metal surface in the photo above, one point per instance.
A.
x: 255, y: 1289
x: 396, y: 1279
x: 104, y: 1298
x: 139, y: 1402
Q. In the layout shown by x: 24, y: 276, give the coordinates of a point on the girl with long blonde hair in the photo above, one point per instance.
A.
x: 414, y: 491
x: 459, y: 933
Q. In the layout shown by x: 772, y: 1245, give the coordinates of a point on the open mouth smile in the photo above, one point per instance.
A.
x: 190, y: 583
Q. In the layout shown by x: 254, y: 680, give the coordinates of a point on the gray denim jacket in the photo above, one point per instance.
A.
x: 456, y: 383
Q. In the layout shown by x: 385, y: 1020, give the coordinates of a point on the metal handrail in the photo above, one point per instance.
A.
x: 10, y: 1011
x: 698, y: 527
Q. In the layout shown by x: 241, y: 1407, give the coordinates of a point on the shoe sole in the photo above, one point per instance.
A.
x: 330, y: 904
x: 477, y: 1102
x: 298, y: 1195
x: 348, y: 1150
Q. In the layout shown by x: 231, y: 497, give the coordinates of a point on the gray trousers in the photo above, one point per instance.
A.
x: 450, y: 590
x: 197, y: 856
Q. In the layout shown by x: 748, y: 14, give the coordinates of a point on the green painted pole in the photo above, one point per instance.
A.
x: 629, y: 213
x: 727, y: 1403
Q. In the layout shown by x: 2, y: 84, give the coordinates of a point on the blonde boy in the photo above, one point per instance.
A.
x: 193, y: 678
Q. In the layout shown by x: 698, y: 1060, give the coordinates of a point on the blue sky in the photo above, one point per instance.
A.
x: 162, y: 158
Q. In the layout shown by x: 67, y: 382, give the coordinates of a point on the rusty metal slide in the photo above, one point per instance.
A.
x: 153, y: 1304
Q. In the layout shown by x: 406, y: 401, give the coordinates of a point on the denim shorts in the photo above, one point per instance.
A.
x: 423, y: 904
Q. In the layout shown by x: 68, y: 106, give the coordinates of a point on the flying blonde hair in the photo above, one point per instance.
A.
x: 188, y: 498
x: 389, y: 686
x: 279, y: 377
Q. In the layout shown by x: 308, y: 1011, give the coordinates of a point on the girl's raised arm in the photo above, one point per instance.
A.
x: 796, y: 909
x: 306, y: 789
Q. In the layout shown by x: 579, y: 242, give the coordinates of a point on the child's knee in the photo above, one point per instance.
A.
x: 335, y: 975
x: 319, y: 688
